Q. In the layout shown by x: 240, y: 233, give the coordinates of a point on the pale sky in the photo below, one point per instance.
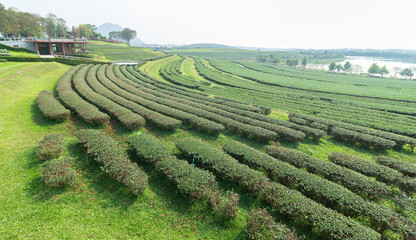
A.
x: 262, y: 23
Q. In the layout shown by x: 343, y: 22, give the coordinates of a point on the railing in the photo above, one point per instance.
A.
x: 57, y: 39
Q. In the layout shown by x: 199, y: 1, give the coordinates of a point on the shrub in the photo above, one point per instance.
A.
x: 372, y: 169
x: 328, y: 223
x: 50, y: 146
x: 3, y: 60
x: 232, y: 122
x: 191, y: 181
x: 352, y: 180
x: 58, y: 172
x: 261, y: 226
x: 406, y: 168
x: 363, y: 139
x: 127, y: 118
x: 114, y: 159
x: 73, y: 101
x: 328, y: 193
x: 400, y: 140
x: 50, y: 107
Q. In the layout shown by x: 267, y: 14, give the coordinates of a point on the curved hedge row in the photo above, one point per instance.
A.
x: 238, y: 127
x: 326, y: 222
x: 114, y: 159
x: 372, y: 169
x: 170, y: 73
x: 127, y: 118
x: 50, y: 107
x: 190, y: 93
x: 119, y: 85
x: 352, y: 180
x: 73, y: 101
x: 406, y: 168
x: 260, y: 225
x: 363, y: 139
x: 191, y: 181
x: 400, y: 140
x: 326, y: 192
x: 288, y: 131
x: 158, y: 119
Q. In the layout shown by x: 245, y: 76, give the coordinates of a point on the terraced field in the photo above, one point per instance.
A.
x: 183, y: 152
x: 366, y: 101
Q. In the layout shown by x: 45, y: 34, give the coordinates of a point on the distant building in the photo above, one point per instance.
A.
x: 49, y: 46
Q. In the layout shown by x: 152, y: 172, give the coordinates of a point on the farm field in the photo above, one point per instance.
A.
x: 285, y: 88
x: 122, y: 51
x: 169, y: 127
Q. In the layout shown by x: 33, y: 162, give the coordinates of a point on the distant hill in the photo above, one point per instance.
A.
x: 204, y: 45
x: 137, y: 42
x: 106, y: 28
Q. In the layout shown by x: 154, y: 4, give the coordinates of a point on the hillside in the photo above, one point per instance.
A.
x: 193, y: 135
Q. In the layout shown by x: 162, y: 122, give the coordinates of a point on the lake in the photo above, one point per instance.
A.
x: 362, y: 64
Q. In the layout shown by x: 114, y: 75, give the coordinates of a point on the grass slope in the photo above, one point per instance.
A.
x: 97, y: 206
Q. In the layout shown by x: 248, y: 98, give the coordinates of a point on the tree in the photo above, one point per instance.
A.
x: 338, y: 67
x: 384, y: 70
x: 332, y: 66
x: 396, y: 70
x: 304, y: 62
x: 407, y: 72
x: 348, y: 66
x: 357, y: 68
x: 114, y: 35
x: 374, y: 69
x: 128, y: 34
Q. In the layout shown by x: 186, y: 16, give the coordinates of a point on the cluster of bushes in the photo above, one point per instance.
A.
x: 194, y: 94
x: 326, y: 222
x: 363, y: 139
x: 186, y: 106
x: 261, y: 226
x: 114, y: 159
x: 131, y: 90
x: 372, y: 169
x: 50, y: 146
x: 404, y: 167
x: 317, y: 122
x: 73, y: 101
x: 128, y: 119
x: 286, y: 130
x: 326, y: 192
x: 55, y: 171
x: 352, y: 180
x: 50, y: 107
x: 191, y: 181
x: 58, y: 172
x: 130, y: 101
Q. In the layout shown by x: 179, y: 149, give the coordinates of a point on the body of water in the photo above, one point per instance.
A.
x: 362, y: 64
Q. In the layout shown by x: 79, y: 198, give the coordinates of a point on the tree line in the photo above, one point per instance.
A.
x: 17, y: 24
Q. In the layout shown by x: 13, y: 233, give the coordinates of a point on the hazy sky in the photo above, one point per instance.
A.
x: 260, y: 23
